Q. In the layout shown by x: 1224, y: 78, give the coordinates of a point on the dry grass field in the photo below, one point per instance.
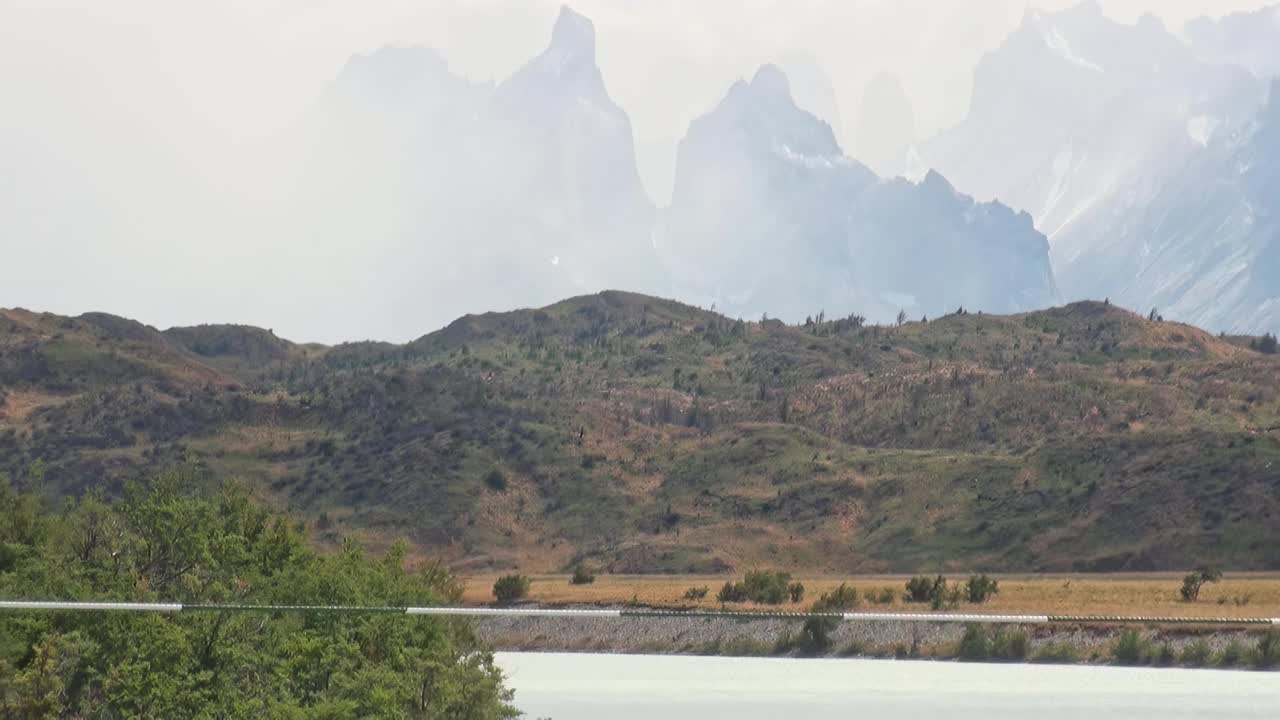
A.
x: 1242, y: 595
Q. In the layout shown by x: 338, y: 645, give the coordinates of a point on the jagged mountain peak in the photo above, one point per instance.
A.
x: 395, y: 71
x: 935, y: 182
x: 765, y: 111
x: 567, y: 66
x: 771, y: 82
x: 575, y: 34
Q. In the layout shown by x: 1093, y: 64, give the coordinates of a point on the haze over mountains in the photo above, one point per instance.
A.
x: 1138, y: 156
x: 1098, y: 158
x: 529, y: 191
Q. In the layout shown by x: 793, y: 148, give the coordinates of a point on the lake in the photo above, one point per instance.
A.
x: 625, y: 687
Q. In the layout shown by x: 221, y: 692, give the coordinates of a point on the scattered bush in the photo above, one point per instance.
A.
x: 496, y: 480
x: 979, y: 588
x: 696, y: 593
x: 510, y: 588
x: 949, y: 597
x: 979, y: 643
x: 1056, y: 652
x: 768, y: 587
x: 921, y: 589
x: 816, y: 633
x: 885, y: 597
x: 581, y: 576
x: 761, y: 586
x: 973, y: 644
x: 1192, y: 583
x: 732, y: 592
x: 1196, y: 654
x: 796, y: 591
x: 841, y: 599
x: 1132, y: 649
x: 1268, y: 653
x: 1233, y: 654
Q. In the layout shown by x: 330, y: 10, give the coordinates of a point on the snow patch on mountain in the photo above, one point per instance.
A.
x: 1054, y: 38
x: 1200, y: 129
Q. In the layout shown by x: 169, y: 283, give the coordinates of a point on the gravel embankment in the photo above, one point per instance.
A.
x: 728, y: 636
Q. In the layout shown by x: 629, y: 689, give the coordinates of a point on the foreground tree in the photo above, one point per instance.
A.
x: 1192, y: 583
x: 162, y: 544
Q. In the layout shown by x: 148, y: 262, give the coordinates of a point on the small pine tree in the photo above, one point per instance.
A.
x: 1267, y: 345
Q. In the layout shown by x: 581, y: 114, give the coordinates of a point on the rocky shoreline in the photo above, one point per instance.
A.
x: 674, y: 635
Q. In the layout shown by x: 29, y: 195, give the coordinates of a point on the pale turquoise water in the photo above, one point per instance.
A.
x: 629, y: 687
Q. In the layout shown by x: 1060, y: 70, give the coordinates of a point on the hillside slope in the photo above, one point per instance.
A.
x: 642, y: 435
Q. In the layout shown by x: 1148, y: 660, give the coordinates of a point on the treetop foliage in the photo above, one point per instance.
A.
x: 159, y: 544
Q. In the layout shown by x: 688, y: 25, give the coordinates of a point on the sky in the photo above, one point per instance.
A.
x: 122, y: 119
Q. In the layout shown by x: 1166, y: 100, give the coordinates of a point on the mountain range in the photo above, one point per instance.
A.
x: 1138, y: 155
x: 1097, y: 160
x: 528, y: 191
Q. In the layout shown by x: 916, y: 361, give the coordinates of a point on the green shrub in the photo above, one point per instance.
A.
x: 761, y: 586
x: 974, y: 644
x: 496, y: 480
x: 979, y: 643
x: 1009, y: 645
x: 510, y: 588
x: 732, y: 592
x: 1234, y: 654
x: 696, y: 593
x: 1131, y: 648
x: 767, y: 587
x: 1196, y: 654
x: 1164, y: 655
x: 581, y: 576
x: 950, y: 597
x: 796, y: 591
x: 886, y: 596
x: 815, y: 636
x: 1268, y: 652
x: 841, y: 599
x: 979, y: 588
x: 1056, y: 652
x: 921, y: 589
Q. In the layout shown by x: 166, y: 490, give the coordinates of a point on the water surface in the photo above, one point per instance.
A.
x: 627, y: 687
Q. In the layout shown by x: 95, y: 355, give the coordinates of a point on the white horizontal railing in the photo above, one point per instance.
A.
x: 582, y: 613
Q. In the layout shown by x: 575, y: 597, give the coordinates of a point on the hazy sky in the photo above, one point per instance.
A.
x: 117, y: 114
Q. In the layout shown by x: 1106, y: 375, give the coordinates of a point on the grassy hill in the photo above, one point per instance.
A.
x: 642, y: 435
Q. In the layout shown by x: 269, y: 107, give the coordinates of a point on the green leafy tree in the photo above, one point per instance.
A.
x: 1193, y: 582
x: 162, y: 543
